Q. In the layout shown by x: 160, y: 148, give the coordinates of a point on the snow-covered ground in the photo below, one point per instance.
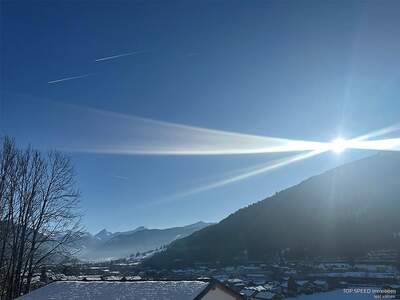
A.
x: 143, y: 290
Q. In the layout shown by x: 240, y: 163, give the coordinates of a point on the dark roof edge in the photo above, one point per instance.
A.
x: 213, y: 283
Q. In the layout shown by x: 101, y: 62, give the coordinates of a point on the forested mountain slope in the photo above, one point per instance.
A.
x: 345, y: 211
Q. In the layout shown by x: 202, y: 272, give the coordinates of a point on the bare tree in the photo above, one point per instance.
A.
x: 38, y: 214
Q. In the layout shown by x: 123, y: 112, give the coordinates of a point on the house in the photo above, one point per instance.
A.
x: 133, y: 290
x: 257, y: 278
x: 321, y: 285
x: 236, y: 283
x: 266, y: 296
x: 273, y: 287
x: 247, y: 292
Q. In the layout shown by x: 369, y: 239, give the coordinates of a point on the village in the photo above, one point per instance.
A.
x: 251, y: 279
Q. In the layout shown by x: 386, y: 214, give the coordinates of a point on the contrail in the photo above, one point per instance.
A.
x: 120, y: 177
x: 119, y: 55
x: 68, y: 78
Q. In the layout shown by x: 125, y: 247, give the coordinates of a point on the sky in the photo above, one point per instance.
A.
x: 99, y: 80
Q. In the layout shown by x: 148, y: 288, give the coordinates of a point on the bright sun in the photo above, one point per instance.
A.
x: 338, y: 145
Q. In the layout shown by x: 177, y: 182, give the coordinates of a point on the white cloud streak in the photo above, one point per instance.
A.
x: 68, y: 78
x: 120, y: 177
x: 118, y: 56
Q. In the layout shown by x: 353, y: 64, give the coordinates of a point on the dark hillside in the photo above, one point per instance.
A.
x: 345, y: 211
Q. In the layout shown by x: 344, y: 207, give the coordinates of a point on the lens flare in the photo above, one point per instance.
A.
x: 339, y: 145
x: 242, y: 175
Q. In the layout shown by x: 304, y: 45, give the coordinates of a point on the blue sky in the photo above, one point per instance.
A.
x: 309, y: 70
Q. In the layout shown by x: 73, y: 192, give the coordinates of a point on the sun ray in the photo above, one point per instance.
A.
x: 243, y: 174
x: 380, y: 145
x: 364, y: 142
x: 379, y: 132
x: 130, y: 135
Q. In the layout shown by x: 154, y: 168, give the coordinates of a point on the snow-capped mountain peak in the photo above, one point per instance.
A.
x: 103, y: 235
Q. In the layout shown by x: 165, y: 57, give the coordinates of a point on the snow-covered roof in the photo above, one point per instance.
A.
x: 247, y: 292
x: 139, y: 290
x: 265, y: 295
x: 301, y: 282
x: 235, y: 280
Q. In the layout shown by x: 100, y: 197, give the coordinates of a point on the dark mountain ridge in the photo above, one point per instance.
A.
x: 346, y: 211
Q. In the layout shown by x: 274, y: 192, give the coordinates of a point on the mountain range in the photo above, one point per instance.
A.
x: 346, y: 211
x: 107, y: 245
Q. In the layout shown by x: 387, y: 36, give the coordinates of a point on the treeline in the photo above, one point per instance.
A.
x: 38, y: 213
